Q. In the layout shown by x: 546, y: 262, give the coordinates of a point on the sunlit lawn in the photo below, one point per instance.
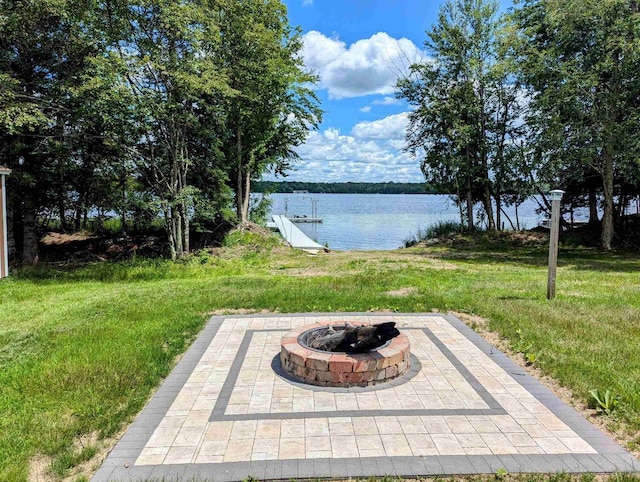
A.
x: 81, y: 350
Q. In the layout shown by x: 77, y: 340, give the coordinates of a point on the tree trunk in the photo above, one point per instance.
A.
x: 488, y: 208
x: 240, y: 179
x: 11, y: 240
x: 246, y: 194
x: 183, y: 209
x: 499, y: 212
x: 171, y: 235
x: 607, y: 217
x: 184, y: 228
x: 30, y: 236
x: 177, y: 227
x: 16, y: 234
x: 460, y: 206
x: 622, y: 202
x: 593, y: 206
x: 61, y: 210
x: 78, y: 218
x: 470, y: 211
x: 123, y: 213
x: 508, y: 218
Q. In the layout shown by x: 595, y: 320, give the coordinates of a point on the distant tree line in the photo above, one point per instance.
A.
x: 545, y: 96
x: 147, y: 108
x: 344, y: 187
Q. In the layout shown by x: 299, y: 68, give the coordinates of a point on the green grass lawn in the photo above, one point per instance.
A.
x: 81, y: 350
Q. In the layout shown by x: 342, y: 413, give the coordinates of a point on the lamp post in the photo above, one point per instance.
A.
x: 556, y: 197
x: 4, y: 252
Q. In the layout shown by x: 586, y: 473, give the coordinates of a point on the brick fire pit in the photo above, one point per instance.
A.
x: 339, y: 369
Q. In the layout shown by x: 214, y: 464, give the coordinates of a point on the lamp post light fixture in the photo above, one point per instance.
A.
x: 556, y: 197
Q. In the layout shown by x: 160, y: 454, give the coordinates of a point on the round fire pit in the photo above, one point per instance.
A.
x: 340, y: 369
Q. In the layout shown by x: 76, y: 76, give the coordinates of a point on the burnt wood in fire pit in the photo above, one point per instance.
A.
x: 353, y: 339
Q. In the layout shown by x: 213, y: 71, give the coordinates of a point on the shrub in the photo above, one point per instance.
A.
x: 437, y: 230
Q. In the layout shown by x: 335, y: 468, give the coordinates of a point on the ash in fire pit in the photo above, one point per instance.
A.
x: 341, y: 354
x: 350, y: 338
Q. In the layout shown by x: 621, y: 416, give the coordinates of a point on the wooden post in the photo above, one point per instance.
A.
x: 4, y: 245
x: 556, y: 196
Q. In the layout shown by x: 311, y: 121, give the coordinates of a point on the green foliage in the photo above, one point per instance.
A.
x: 501, y: 473
x: 260, y: 241
x: 604, y: 402
x: 259, y: 209
x: 465, y: 107
x: 531, y: 357
x: 147, y: 108
x: 16, y: 115
x: 273, y: 107
x: 578, y: 59
x: 437, y: 230
x: 523, y: 345
x: 203, y: 256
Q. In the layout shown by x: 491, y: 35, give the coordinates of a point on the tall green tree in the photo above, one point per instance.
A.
x: 163, y: 58
x: 465, y: 105
x: 177, y: 105
x: 44, y: 45
x: 580, y: 59
x: 274, y: 107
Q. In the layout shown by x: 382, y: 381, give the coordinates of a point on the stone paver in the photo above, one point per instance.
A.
x: 228, y: 411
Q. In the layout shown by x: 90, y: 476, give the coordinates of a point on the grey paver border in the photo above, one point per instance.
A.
x: 118, y: 466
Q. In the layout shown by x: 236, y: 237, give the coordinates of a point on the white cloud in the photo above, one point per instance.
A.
x: 368, y: 66
x: 371, y: 152
x: 386, y: 101
x: 392, y: 127
x: 307, y: 3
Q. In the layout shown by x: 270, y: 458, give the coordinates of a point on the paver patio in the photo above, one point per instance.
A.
x: 228, y: 412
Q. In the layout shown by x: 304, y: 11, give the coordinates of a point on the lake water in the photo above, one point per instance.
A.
x: 378, y: 221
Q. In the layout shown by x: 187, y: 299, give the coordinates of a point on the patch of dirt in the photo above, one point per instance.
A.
x: 403, y: 257
x: 480, y: 326
x: 62, y: 238
x: 436, y: 263
x: 402, y: 292
x: 254, y: 228
x: 88, y: 467
x: 529, y: 238
x: 39, y: 469
x: 301, y: 272
x: 83, y: 247
x: 39, y: 465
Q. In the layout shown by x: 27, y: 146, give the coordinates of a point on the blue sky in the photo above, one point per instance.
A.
x: 359, y: 48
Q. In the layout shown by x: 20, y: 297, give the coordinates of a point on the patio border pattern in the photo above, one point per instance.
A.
x: 219, y: 411
x: 119, y: 465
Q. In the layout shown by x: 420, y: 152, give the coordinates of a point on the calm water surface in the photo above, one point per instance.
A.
x: 377, y: 221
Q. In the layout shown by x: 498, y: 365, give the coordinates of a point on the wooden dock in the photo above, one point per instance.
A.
x: 293, y: 235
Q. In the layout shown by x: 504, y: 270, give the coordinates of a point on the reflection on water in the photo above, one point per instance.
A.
x: 377, y: 221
